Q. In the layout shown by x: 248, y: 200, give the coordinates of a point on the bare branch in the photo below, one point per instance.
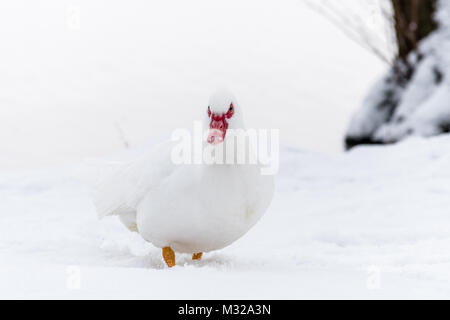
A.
x: 355, y: 28
x: 122, y: 135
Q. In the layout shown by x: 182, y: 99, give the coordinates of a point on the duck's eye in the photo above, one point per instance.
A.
x: 230, y: 112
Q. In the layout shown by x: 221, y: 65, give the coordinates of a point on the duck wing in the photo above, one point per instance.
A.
x: 124, y: 184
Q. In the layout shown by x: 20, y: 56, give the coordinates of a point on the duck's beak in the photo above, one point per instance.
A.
x: 217, y: 131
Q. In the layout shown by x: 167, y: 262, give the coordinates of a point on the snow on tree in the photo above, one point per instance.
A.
x: 413, y: 98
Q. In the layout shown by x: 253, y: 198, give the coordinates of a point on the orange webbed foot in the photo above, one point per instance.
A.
x: 197, y: 256
x: 169, y: 256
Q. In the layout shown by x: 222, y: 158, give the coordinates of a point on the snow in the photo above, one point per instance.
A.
x: 419, y: 108
x: 80, y: 78
x: 371, y: 223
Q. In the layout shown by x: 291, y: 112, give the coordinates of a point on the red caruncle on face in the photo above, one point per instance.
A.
x: 218, y: 125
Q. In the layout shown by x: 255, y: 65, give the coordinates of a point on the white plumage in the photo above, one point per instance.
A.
x: 190, y: 208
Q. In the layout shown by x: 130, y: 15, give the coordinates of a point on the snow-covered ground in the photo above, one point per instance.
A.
x: 371, y: 223
x: 75, y: 74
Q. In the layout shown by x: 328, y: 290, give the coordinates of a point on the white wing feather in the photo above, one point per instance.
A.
x: 124, y: 184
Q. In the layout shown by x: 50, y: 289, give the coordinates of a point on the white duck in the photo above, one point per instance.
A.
x: 189, y: 208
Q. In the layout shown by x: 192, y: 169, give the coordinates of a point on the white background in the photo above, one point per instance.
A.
x: 71, y: 71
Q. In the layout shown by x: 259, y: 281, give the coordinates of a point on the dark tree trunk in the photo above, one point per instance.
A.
x: 414, y: 20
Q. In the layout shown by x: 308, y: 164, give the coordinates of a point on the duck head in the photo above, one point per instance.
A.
x: 223, y: 114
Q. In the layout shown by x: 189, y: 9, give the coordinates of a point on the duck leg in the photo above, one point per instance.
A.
x: 169, y: 256
x: 197, y: 256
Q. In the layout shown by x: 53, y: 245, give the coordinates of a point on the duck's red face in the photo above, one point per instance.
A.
x: 218, y: 125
